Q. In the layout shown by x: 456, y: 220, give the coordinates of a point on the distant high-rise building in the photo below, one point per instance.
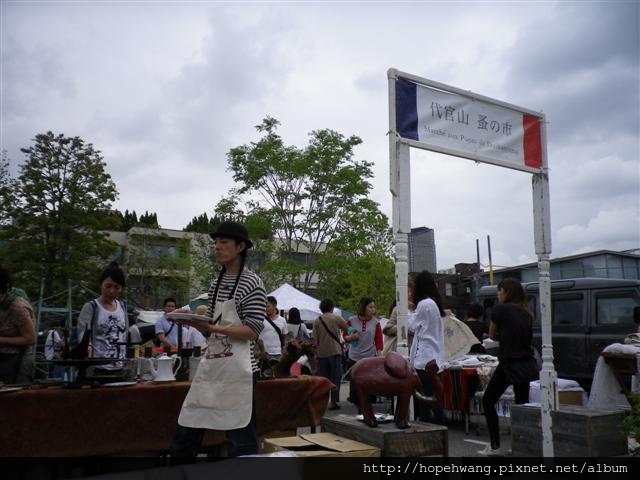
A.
x: 422, y: 250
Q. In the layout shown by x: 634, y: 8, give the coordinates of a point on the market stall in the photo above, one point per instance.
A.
x: 59, y: 422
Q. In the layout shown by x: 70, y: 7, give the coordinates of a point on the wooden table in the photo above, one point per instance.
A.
x: 58, y: 422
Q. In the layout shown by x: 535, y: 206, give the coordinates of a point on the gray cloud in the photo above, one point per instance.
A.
x: 164, y: 90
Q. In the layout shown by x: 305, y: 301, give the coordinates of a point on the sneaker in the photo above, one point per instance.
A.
x: 494, y: 452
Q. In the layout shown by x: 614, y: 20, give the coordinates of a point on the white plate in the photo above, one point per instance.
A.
x: 10, y: 389
x: 189, y: 316
x: 380, y: 417
x: 118, y: 384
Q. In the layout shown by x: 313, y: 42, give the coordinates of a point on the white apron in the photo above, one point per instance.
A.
x: 221, y: 394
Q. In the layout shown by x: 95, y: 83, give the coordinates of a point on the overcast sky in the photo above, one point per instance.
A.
x: 165, y: 89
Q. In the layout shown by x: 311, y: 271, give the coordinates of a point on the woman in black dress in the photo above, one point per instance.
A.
x: 511, y: 324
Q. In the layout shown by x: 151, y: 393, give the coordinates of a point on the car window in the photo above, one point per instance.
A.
x: 567, y: 309
x: 615, y: 308
x: 487, y: 305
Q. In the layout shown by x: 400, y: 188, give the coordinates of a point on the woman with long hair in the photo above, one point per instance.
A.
x: 296, y: 329
x: 295, y: 326
x: 427, y: 348
x: 511, y: 324
x: 364, y: 332
x: 221, y: 396
x: 364, y: 335
x: 17, y: 332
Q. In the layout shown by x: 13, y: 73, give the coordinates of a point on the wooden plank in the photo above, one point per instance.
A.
x: 420, y: 439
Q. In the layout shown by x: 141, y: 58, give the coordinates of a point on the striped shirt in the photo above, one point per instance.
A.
x: 251, y: 302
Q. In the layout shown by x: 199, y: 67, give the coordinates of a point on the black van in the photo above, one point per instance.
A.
x: 587, y: 314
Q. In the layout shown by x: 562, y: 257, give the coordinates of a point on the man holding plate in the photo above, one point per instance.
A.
x: 226, y: 376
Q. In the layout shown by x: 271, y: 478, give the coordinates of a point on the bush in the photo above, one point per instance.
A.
x: 630, y: 426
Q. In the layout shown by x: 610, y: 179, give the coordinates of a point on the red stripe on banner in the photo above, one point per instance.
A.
x: 532, y: 142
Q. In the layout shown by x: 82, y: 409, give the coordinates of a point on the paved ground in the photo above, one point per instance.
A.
x: 461, y: 444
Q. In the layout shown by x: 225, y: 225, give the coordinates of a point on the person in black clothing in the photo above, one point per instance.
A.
x: 511, y: 323
x: 477, y: 326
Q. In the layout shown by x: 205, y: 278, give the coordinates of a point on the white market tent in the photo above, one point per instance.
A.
x: 289, y: 297
x: 149, y: 317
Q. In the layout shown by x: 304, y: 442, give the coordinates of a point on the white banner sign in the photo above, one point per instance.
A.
x: 467, y: 127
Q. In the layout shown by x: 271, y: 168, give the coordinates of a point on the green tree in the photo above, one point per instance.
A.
x: 360, y: 262
x: 129, y: 220
x: 315, y: 198
x: 148, y: 220
x: 61, y: 206
x: 202, y: 224
x: 7, y: 187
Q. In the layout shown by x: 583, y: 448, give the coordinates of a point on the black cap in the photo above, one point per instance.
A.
x: 233, y: 230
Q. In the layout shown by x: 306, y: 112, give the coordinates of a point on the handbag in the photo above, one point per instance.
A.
x: 522, y: 370
x: 302, y: 336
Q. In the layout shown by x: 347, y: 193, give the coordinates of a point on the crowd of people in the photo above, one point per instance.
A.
x: 245, y: 321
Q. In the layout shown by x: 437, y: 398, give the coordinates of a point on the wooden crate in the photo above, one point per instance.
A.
x: 577, y: 432
x: 419, y: 440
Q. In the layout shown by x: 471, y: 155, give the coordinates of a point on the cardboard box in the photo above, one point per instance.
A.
x: 321, y: 445
x: 273, y: 434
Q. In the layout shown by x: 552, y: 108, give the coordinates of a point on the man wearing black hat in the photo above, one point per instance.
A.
x: 226, y: 376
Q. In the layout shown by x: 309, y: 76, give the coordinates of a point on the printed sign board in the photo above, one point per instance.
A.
x: 467, y: 126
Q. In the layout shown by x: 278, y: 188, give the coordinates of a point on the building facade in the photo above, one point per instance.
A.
x: 163, y: 263
x: 598, y: 264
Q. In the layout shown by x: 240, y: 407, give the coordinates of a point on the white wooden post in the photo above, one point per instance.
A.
x: 542, y: 234
x: 400, y: 187
x: 403, y: 212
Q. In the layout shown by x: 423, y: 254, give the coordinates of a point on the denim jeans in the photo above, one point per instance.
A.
x: 186, y: 442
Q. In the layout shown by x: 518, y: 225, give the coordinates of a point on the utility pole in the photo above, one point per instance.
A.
x: 490, y: 261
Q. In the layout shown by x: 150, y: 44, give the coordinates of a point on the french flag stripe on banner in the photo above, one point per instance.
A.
x: 406, y: 109
x: 468, y: 127
x: 532, y: 141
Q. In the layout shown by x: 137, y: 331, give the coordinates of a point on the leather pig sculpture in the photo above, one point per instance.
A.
x: 389, y: 376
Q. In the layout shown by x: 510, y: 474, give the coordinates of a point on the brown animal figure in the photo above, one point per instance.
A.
x: 291, y: 352
x: 389, y: 376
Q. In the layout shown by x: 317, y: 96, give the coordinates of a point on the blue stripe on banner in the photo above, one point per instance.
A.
x: 406, y: 109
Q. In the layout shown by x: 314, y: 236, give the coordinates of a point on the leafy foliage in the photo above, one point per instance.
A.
x: 630, y: 426
x: 7, y: 187
x: 127, y: 220
x: 60, y: 208
x: 202, y: 224
x: 316, y: 200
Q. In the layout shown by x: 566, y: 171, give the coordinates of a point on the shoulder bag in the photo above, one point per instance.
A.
x: 275, y: 327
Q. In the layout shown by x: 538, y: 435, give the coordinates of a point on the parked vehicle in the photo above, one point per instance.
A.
x: 587, y: 314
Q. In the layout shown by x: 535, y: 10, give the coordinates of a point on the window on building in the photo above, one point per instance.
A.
x: 595, y: 266
x: 302, y: 258
x: 631, y: 268
x: 159, y: 251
